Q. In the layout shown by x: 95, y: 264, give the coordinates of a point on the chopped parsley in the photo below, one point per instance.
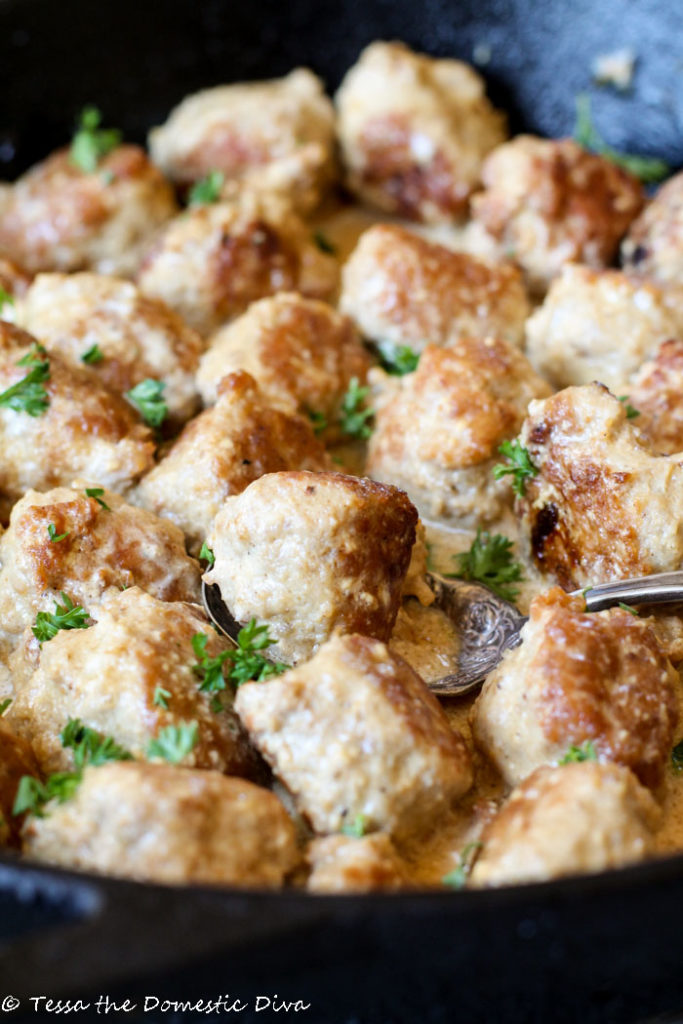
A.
x: 5, y: 300
x: 161, y: 697
x: 648, y: 169
x: 96, y: 493
x: 490, y: 561
x: 677, y: 757
x: 66, y: 616
x: 90, y: 142
x: 28, y: 395
x: 207, y: 190
x: 585, y: 752
x: 319, y: 421
x: 90, y: 746
x: 457, y: 879
x: 32, y: 794
x: 146, y: 397
x: 354, y: 414
x: 4, y: 704
x: 209, y: 670
x: 355, y: 829
x: 519, y: 466
x: 628, y: 608
x: 207, y: 555
x: 631, y: 413
x: 247, y: 661
x: 93, y: 355
x: 53, y: 535
x: 324, y: 244
x: 174, y: 742
x: 397, y: 359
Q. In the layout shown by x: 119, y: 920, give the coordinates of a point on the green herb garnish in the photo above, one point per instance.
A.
x: 677, y: 757
x: 91, y: 143
x: 207, y: 555
x: 585, y: 752
x: 93, y: 355
x: 207, y: 190
x: 490, y: 561
x: 628, y: 608
x: 457, y: 879
x: 324, y: 244
x: 96, y: 493
x: 354, y: 415
x: 247, y: 663
x: 319, y: 421
x: 66, y: 616
x: 90, y: 746
x: 174, y: 742
x: 28, y: 395
x: 146, y: 397
x: 4, y: 704
x: 355, y: 829
x: 209, y: 670
x: 53, y: 535
x: 161, y: 697
x: 397, y: 359
x: 648, y: 169
x: 5, y: 300
x: 631, y: 413
x: 32, y: 794
x: 520, y: 466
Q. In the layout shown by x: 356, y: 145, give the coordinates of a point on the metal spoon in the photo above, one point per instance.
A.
x: 488, y: 626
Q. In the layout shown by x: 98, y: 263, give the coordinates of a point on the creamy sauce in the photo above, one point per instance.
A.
x: 427, y: 639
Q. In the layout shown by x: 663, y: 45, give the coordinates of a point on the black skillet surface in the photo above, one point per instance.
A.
x: 590, y: 949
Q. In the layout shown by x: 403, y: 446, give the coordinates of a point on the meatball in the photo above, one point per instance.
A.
x: 130, y: 676
x: 341, y: 544
x: 656, y: 398
x: 160, y: 823
x: 579, y: 677
x: 212, y: 261
x: 275, y: 136
x: 562, y: 821
x: 302, y: 353
x: 654, y: 244
x: 438, y: 435
x: 100, y: 542
x: 58, y: 422
x: 414, y: 131
x: 13, y: 281
x: 355, y: 732
x: 405, y: 290
x: 59, y: 217
x: 16, y: 760
x: 597, y: 325
x: 548, y: 202
x: 346, y: 864
x: 124, y: 336
x: 222, y: 451
x: 602, y: 505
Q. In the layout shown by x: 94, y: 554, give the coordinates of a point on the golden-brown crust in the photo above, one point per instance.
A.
x: 400, y: 288
x: 346, y: 864
x: 16, y: 760
x: 548, y: 202
x: 657, y: 395
x: 222, y: 451
x: 654, y: 244
x: 13, y: 279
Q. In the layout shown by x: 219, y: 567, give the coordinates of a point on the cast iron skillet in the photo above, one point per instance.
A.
x: 591, y: 949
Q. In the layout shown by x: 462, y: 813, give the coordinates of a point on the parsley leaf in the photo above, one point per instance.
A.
x: 66, y: 616
x: 207, y: 190
x: 628, y: 608
x: 457, y: 879
x: 397, y: 359
x: 90, y: 746
x: 490, y: 561
x: 33, y: 356
x: 586, y: 752
x: 5, y: 300
x: 209, y: 670
x: 324, y: 244
x: 4, y: 704
x: 356, y: 828
x: 32, y: 794
x: 174, y: 742
x: 354, y: 414
x: 677, y: 757
x: 648, y: 169
x: 247, y: 663
x: 53, y: 535
x: 96, y: 493
x: 146, y: 397
x: 91, y: 143
x: 207, y: 555
x: 319, y: 421
x: 161, y: 697
x: 92, y: 355
x: 28, y: 395
x: 631, y: 413
x: 521, y: 468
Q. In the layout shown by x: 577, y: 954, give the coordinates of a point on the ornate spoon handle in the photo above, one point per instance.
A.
x: 664, y: 588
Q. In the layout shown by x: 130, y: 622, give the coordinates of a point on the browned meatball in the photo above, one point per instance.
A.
x: 16, y: 760
x: 656, y: 395
x: 355, y: 732
x: 212, y: 261
x: 13, y: 280
x: 302, y: 353
x: 77, y: 427
x: 346, y: 864
x: 578, y: 677
x: 603, y: 505
x: 110, y: 676
x: 222, y: 451
x: 159, y: 823
x: 59, y: 217
x: 414, y: 131
x: 437, y: 436
x: 562, y: 821
x: 341, y: 544
x: 275, y: 136
x: 654, y: 244
x: 122, y: 335
x: 97, y: 548
x: 548, y: 202
x: 400, y: 288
